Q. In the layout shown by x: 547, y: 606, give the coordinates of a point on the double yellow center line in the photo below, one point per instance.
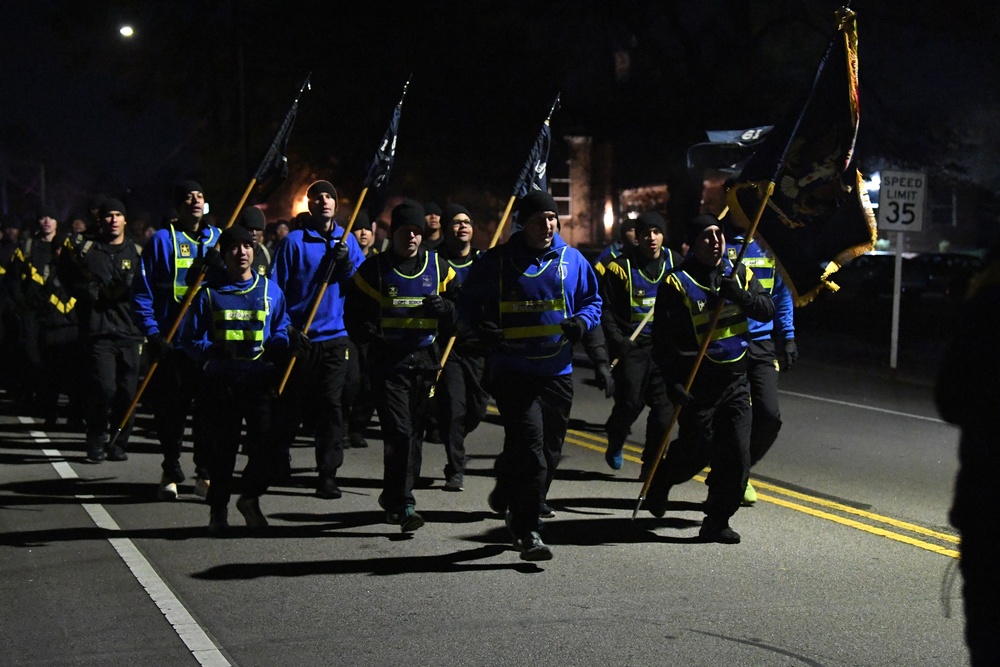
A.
x: 876, y: 524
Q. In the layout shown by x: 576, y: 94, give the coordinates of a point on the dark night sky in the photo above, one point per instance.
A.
x: 108, y: 115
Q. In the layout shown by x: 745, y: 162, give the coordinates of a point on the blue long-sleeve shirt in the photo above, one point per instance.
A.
x: 479, y: 300
x: 299, y: 267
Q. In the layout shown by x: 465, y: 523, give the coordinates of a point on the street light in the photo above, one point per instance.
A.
x: 126, y: 31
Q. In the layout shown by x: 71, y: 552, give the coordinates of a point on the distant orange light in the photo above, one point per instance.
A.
x: 301, y: 205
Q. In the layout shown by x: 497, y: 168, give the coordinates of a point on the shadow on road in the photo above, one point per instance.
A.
x: 459, y: 561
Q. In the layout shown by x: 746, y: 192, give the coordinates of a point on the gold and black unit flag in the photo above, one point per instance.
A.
x: 819, y: 216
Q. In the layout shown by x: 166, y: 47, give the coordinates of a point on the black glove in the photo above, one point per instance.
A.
x: 438, y: 306
x: 298, y: 342
x: 678, y: 395
x: 486, y: 337
x: 574, y: 328
x: 276, y: 353
x: 625, y: 346
x: 158, y: 346
x: 222, y: 351
x: 605, y: 380
x: 340, y: 255
x: 791, y: 354
x: 730, y: 289
x: 372, y: 333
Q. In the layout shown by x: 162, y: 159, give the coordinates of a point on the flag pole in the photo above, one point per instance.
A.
x: 192, y: 289
x: 494, y: 241
x: 387, y: 143
x: 768, y: 190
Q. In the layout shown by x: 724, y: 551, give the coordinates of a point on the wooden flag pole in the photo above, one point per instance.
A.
x: 321, y: 289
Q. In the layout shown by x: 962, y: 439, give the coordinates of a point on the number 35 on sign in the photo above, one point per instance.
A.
x: 901, y: 201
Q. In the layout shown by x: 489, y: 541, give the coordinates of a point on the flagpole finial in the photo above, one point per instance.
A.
x: 555, y: 106
x: 306, y: 85
x: 406, y: 87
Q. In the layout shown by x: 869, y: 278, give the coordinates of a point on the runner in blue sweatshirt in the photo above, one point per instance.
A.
x: 530, y: 299
x: 302, y: 262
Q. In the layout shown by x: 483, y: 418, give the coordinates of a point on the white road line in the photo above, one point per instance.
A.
x: 194, y: 637
x: 863, y: 407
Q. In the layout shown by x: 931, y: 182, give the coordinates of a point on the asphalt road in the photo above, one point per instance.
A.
x: 847, y: 559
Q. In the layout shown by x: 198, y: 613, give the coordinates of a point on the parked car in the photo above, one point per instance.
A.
x: 948, y: 273
x: 871, y: 275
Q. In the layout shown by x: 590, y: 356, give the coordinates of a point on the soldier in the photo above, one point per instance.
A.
x: 307, y: 257
x: 168, y: 257
x: 252, y: 219
x: 238, y: 326
x: 358, y: 404
x: 965, y: 395
x: 433, y: 236
x: 532, y: 299
x: 107, y: 266
x: 49, y: 334
x: 623, y: 245
x: 714, y: 425
x: 460, y: 396
x: 396, y: 306
x: 628, y: 289
x: 10, y: 375
x: 762, y: 361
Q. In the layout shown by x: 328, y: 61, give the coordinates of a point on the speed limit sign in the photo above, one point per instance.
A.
x: 901, y: 201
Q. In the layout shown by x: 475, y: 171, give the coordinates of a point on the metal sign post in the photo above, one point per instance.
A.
x: 900, y: 209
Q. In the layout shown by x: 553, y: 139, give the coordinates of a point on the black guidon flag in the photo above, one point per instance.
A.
x: 273, y: 169
x: 819, y: 216
x: 377, y: 173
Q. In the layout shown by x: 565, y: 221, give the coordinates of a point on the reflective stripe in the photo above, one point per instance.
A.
x: 402, y: 301
x: 239, y: 315
x: 256, y: 335
x: 541, y: 306
x: 409, y: 323
x: 513, y: 333
x: 62, y: 307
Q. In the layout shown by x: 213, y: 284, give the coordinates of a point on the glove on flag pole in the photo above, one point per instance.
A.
x: 819, y: 216
x: 274, y: 162
x: 754, y: 196
x: 376, y: 175
x: 533, y: 175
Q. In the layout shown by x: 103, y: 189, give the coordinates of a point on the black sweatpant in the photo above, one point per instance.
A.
x: 234, y: 399
x: 462, y: 406
x: 763, y: 376
x: 174, y: 387
x: 114, y: 375
x: 714, y: 428
x: 401, y: 393
x: 638, y: 383
x: 534, y: 411
x: 316, y: 387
